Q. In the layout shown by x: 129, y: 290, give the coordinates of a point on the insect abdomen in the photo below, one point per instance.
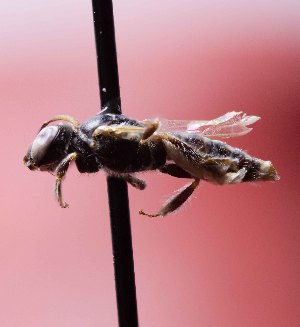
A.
x: 232, y: 165
x: 256, y: 169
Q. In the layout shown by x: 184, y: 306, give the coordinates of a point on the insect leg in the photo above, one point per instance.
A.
x: 176, y: 201
x: 70, y: 119
x: 134, y: 181
x: 174, y: 170
x: 59, y: 174
x: 196, y: 162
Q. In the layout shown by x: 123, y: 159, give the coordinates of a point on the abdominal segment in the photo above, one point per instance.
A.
x: 215, y: 161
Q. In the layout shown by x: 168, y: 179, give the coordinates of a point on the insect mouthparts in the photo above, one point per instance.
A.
x: 28, y: 163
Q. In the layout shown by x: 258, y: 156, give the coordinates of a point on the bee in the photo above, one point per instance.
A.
x: 122, y: 147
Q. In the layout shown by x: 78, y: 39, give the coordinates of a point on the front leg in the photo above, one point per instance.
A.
x: 60, y: 172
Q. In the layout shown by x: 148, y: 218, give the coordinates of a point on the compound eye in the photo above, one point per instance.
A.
x: 42, y: 143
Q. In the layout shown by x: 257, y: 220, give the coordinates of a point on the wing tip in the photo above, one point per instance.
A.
x: 249, y: 120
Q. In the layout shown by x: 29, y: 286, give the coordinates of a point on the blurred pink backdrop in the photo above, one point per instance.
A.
x: 231, y: 257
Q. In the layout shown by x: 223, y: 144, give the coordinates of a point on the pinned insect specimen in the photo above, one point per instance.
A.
x: 122, y: 147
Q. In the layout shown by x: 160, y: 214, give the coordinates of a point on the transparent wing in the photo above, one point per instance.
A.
x: 232, y: 124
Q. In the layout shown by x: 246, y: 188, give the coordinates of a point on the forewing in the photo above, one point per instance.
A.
x: 232, y: 124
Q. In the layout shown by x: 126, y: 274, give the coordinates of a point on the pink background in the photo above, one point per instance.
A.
x: 231, y: 257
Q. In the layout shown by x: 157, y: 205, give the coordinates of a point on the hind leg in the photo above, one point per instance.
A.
x: 174, y: 170
x: 176, y: 201
x: 192, y: 160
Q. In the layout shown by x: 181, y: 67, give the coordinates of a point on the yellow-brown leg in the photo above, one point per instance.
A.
x: 59, y: 174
